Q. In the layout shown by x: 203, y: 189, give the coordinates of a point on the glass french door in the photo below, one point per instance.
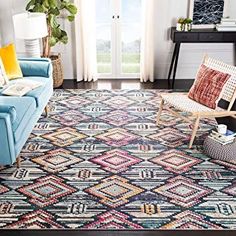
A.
x: 118, y: 24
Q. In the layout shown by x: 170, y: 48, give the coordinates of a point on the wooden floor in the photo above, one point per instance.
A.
x: 125, y: 84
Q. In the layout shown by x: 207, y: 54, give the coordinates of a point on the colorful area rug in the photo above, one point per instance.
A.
x: 100, y: 162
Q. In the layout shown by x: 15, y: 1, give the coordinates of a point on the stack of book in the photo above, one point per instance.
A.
x: 226, y: 24
x: 223, y: 139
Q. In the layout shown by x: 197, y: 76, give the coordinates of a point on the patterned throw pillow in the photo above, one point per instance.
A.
x: 208, y: 86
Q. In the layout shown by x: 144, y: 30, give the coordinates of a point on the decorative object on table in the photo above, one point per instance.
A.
x: 224, y: 139
x: 184, y: 24
x: 10, y: 62
x: 31, y: 27
x: 207, y: 13
x: 197, y: 106
x: 3, y: 76
x: 227, y: 24
x: 188, y: 24
x: 222, y: 129
x: 216, y: 150
x: 180, y: 24
x: 54, y: 10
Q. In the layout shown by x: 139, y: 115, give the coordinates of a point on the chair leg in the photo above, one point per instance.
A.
x: 160, y: 111
x: 18, y: 162
x: 46, y: 110
x: 194, y: 132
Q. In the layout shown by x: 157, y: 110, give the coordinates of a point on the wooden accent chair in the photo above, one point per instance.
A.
x: 195, y: 111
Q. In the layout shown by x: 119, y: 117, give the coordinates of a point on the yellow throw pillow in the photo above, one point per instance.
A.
x: 10, y: 62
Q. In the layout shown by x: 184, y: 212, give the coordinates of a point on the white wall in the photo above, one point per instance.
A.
x: 167, y: 11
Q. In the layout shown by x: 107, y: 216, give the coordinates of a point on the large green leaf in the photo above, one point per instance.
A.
x: 72, y: 9
x: 38, y: 8
x: 52, y: 21
x: 52, y: 3
x: 30, y: 4
x: 71, y: 18
x: 55, y: 11
x: 52, y: 41
x: 64, y: 39
x: 56, y: 32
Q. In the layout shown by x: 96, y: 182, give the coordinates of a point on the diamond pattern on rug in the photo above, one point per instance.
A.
x: 3, y: 189
x: 183, y: 191
x: 231, y: 190
x: 118, y: 118
x: 114, y: 191
x: 64, y: 137
x: 119, y: 102
x: 170, y: 137
x: 75, y: 102
x: 57, y: 160
x: 189, y: 220
x: 175, y: 161
x: 117, y: 137
x: 46, y: 191
x: 116, y: 161
x: 36, y: 220
x: 99, y: 161
x: 113, y: 220
x: 70, y: 118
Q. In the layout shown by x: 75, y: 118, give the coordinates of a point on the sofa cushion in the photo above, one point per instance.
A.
x: 24, y: 108
x: 35, y: 68
x: 39, y: 93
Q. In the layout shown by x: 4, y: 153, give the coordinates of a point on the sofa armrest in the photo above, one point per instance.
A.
x: 11, y: 110
x: 7, y: 153
x: 36, y: 67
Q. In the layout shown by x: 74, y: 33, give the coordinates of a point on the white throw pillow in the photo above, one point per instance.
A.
x: 3, y: 76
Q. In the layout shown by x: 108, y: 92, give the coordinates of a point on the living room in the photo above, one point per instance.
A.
x: 117, y: 117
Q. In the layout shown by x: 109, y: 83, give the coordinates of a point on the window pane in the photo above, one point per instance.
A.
x: 103, y: 15
x: 131, y: 35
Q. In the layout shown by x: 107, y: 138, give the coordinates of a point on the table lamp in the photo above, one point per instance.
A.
x: 31, y: 27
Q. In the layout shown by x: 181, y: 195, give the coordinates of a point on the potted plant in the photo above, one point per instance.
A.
x: 188, y: 24
x: 54, y: 9
x: 180, y: 24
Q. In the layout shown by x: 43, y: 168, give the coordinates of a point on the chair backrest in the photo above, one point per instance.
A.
x: 229, y: 93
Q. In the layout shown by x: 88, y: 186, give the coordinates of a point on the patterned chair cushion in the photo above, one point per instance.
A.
x: 220, y: 152
x: 208, y: 86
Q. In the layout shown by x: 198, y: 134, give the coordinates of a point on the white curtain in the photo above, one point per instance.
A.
x: 147, y: 42
x: 85, y: 36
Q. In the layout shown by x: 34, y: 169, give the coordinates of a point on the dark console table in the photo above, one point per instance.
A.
x: 196, y: 36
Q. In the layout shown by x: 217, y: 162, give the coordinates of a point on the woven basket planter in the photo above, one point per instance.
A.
x: 58, y: 76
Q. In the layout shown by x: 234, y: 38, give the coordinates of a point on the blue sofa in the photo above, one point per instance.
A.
x: 18, y: 116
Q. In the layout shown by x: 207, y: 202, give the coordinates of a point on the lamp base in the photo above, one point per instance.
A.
x: 32, y: 48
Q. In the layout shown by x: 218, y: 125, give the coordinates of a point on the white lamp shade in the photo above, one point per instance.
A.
x: 30, y: 26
